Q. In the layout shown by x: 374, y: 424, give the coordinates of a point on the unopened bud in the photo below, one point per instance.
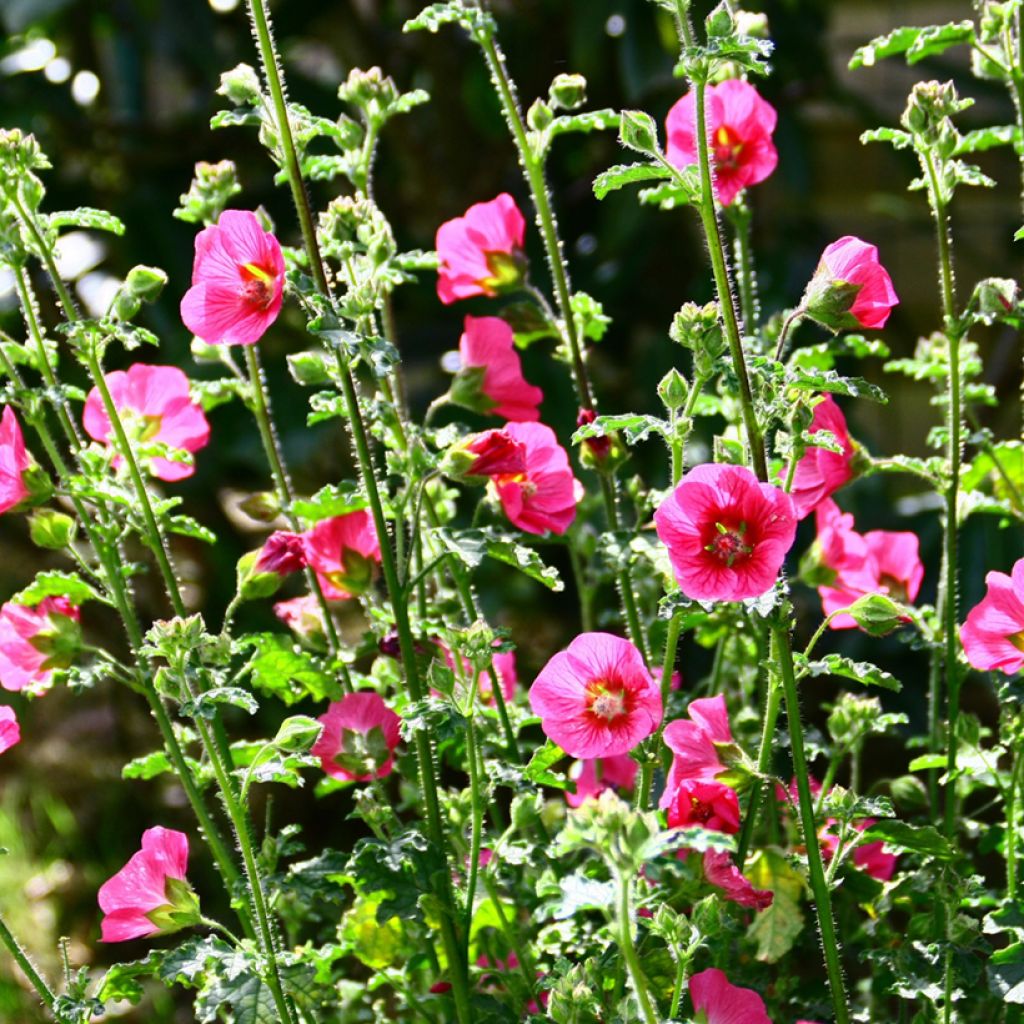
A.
x: 50, y: 529
x: 568, y: 92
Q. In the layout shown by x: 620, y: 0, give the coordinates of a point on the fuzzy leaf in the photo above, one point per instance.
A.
x: 472, y: 546
x: 287, y: 672
x: 915, y: 43
x: 915, y: 838
x: 57, y: 584
x: 626, y: 174
x: 847, y: 668
x: 206, y: 704
x: 86, y: 217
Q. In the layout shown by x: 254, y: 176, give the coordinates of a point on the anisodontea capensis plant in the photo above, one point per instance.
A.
x: 615, y: 829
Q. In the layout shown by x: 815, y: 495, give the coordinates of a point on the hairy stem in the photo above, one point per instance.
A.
x: 21, y: 958
x: 629, y: 953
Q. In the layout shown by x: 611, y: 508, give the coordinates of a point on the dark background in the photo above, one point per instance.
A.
x: 65, y: 816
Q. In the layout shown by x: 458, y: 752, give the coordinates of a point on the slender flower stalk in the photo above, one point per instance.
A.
x: 21, y: 958
x: 454, y: 953
x: 629, y: 951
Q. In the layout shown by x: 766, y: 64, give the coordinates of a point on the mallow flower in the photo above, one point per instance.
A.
x: 717, y: 1001
x: 481, y: 252
x: 36, y: 640
x: 153, y: 404
x: 594, y: 776
x: 343, y: 552
x: 739, y: 124
x: 20, y: 478
x: 359, y: 738
x: 237, y: 281
x: 10, y: 732
x: 721, y: 872
x: 821, y: 471
x: 694, y: 742
x: 727, y: 534
x: 149, y: 895
x: 596, y: 698
x: 993, y: 635
x: 850, y: 288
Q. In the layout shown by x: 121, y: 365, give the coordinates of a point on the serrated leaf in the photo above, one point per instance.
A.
x: 86, y: 217
x: 913, y: 838
x: 148, y: 766
x: 626, y: 174
x: 980, y: 139
x: 915, y: 43
x: 834, y: 383
x: 776, y: 928
x: 332, y: 500
x: 636, y: 427
x: 538, y: 769
x: 588, y: 121
x: 286, y: 671
x: 472, y: 546
x: 57, y: 584
x: 896, y: 136
x: 205, y: 705
x: 578, y: 892
x: 847, y: 668
x: 186, y: 526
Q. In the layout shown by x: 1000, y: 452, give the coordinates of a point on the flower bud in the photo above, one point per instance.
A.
x: 539, y: 116
x: 673, y: 390
x: 720, y: 21
x: 638, y: 131
x: 264, y: 506
x: 492, y: 453
x: 254, y: 584
x: 567, y: 92
x: 876, y: 614
x: 241, y: 85
x: 50, y: 529
x: 297, y: 734
x: 598, y: 448
x: 850, y: 288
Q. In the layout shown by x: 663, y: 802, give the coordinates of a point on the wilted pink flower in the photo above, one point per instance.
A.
x: 490, y: 377
x: 543, y: 497
x: 711, y: 805
x: 596, y: 698
x: 10, y: 732
x: 301, y: 614
x: 850, y: 288
x: 14, y: 462
x: 723, y: 1003
x: 993, y: 635
x: 149, y: 895
x: 593, y: 777
x: 726, y: 534
x: 237, y: 281
x: 154, y: 404
x: 481, y: 253
x: 343, y: 551
x: 821, y: 472
x: 283, y: 553
x: 739, y: 125
x: 723, y: 874
x: 36, y: 640
x: 359, y: 738
x: 693, y: 743
x: 878, y: 562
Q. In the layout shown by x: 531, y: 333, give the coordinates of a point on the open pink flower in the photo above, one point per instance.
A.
x: 878, y: 562
x: 492, y: 453
x: 723, y: 1003
x: 710, y: 805
x: 693, y: 744
x: 480, y: 253
x: 149, y: 895
x: 359, y: 738
x: 850, y: 288
x: 596, y: 698
x: 154, y: 404
x: 343, y: 551
x: 726, y: 534
x: 739, y: 125
x: 10, y: 732
x: 237, y: 281
x: 490, y: 377
x: 301, y: 614
x: 282, y: 553
x: 723, y: 874
x: 821, y: 472
x: 543, y: 497
x: 36, y: 640
x: 593, y: 777
x: 14, y: 461
x: 993, y: 635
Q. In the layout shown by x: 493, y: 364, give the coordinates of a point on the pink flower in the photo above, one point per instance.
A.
x: 149, y: 895
x: 480, y: 253
x: 596, y: 699
x: 993, y: 635
x: 543, y: 497
x: 237, y: 281
x: 711, y: 805
x: 821, y: 472
x: 14, y: 461
x: 850, y: 288
x: 282, y: 553
x: 693, y: 743
x: 154, y: 404
x: 879, y: 562
x: 490, y: 377
x: 505, y: 668
x: 359, y: 738
x: 723, y: 874
x: 727, y: 534
x: 36, y: 640
x: 739, y: 125
x: 343, y: 551
x: 869, y: 857
x: 593, y: 777
x: 10, y: 732
x: 301, y: 614
x: 723, y: 1003
x: 495, y: 453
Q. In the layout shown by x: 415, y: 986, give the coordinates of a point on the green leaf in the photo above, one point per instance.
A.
x: 186, y: 526
x: 626, y: 174
x: 148, y: 766
x: 636, y: 427
x: 589, y: 121
x: 847, y: 668
x: 980, y: 139
x: 926, y: 762
x: 206, y: 704
x: 528, y: 323
x: 121, y: 982
x: 472, y: 546
x: 332, y: 500
x: 899, y: 138
x: 923, y: 839
x: 915, y: 43
x: 435, y: 16
x: 57, y: 584
x: 578, y: 892
x: 829, y: 380
x: 86, y: 217
x: 287, y: 672
x: 776, y: 928
x: 538, y: 769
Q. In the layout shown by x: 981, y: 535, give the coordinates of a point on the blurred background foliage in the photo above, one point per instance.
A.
x: 119, y: 94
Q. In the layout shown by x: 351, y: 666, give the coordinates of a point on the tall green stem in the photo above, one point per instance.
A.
x: 773, y: 704
x: 21, y: 958
x: 455, y: 955
x: 628, y: 946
